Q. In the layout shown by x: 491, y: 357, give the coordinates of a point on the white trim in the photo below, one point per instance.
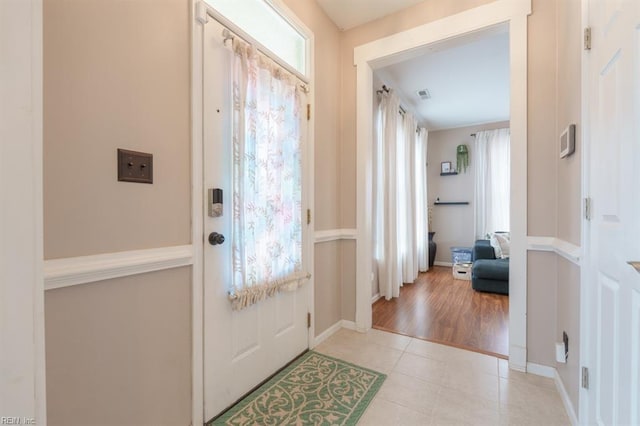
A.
x: 569, y: 251
x: 326, y: 334
x: 375, y: 298
x: 566, y: 401
x: 349, y: 325
x: 87, y: 269
x: 198, y: 20
x: 517, y: 353
x: 22, y: 376
x: 439, y: 263
x: 284, y: 12
x: 398, y: 47
x: 541, y: 370
x: 586, y: 311
x: 552, y: 373
x: 335, y: 234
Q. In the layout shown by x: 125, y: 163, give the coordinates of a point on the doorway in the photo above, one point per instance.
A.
x: 407, y: 44
x: 458, y: 92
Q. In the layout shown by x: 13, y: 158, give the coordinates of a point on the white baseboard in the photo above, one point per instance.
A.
x: 568, y: 406
x: 447, y: 264
x: 552, y: 373
x: 541, y: 370
x: 87, y: 269
x: 375, y: 298
x: 349, y: 325
x: 327, y: 333
x: 517, y: 358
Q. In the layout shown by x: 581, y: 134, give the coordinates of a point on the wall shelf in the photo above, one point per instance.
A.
x: 450, y: 203
x: 449, y: 174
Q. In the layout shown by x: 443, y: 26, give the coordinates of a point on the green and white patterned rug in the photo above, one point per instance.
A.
x: 315, y: 389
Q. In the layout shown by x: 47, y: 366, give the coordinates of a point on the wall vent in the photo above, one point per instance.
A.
x: 424, y: 94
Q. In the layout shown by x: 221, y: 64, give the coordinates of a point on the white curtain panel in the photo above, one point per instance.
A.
x: 400, y: 234
x: 385, y: 184
x: 407, y: 236
x: 492, y: 181
x: 422, y: 216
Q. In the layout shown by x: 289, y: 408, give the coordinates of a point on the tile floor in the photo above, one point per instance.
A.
x: 432, y: 384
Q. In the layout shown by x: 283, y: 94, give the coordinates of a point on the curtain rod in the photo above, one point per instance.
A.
x: 385, y: 89
x: 235, y: 30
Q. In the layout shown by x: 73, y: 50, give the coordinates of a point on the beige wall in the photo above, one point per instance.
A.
x: 327, y: 87
x: 327, y: 286
x: 542, y: 152
x: 554, y: 184
x: 119, y: 351
x: 541, y: 307
x: 568, y: 319
x: 117, y: 75
x: 569, y: 79
x: 328, y: 260
x: 453, y: 225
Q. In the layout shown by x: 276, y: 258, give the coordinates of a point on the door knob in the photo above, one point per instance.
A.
x: 215, y: 238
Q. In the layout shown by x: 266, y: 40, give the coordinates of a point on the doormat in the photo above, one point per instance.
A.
x: 315, y: 389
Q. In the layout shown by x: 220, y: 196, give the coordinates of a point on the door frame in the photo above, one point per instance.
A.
x: 585, y: 264
x: 398, y: 47
x: 22, y: 228
x: 198, y: 18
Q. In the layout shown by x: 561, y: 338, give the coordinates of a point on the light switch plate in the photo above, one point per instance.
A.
x: 135, y: 166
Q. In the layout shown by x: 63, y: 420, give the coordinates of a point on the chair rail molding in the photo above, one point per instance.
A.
x: 335, y: 234
x: 569, y: 251
x: 71, y: 271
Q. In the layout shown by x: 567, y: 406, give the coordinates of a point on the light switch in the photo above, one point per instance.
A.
x: 135, y: 166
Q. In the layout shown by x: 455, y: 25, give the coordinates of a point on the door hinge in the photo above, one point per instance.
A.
x: 308, y: 112
x: 587, y: 38
x: 308, y: 319
x: 585, y: 377
x: 587, y: 208
x: 308, y: 216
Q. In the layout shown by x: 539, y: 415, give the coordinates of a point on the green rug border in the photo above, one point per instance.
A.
x: 355, y: 416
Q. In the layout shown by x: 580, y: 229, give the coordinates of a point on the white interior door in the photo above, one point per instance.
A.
x: 241, y: 348
x: 613, y: 357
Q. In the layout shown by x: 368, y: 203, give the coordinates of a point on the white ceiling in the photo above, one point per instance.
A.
x: 468, y: 78
x: 351, y: 13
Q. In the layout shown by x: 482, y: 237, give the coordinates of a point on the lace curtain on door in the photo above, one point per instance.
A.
x: 267, y: 178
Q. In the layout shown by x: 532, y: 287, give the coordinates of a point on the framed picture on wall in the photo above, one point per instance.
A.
x: 445, y: 167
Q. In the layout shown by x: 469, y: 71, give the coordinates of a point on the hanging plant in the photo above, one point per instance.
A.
x: 462, y: 158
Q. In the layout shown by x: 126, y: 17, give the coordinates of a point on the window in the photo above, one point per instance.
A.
x: 260, y: 20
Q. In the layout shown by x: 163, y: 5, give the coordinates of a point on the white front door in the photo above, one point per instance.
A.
x: 241, y: 348
x: 613, y: 289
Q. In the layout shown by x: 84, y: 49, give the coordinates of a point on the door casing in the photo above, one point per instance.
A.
x: 400, y: 46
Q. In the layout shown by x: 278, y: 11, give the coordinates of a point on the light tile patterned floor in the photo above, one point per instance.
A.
x: 432, y: 384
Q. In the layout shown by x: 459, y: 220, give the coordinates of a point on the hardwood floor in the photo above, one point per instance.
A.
x: 440, y: 309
